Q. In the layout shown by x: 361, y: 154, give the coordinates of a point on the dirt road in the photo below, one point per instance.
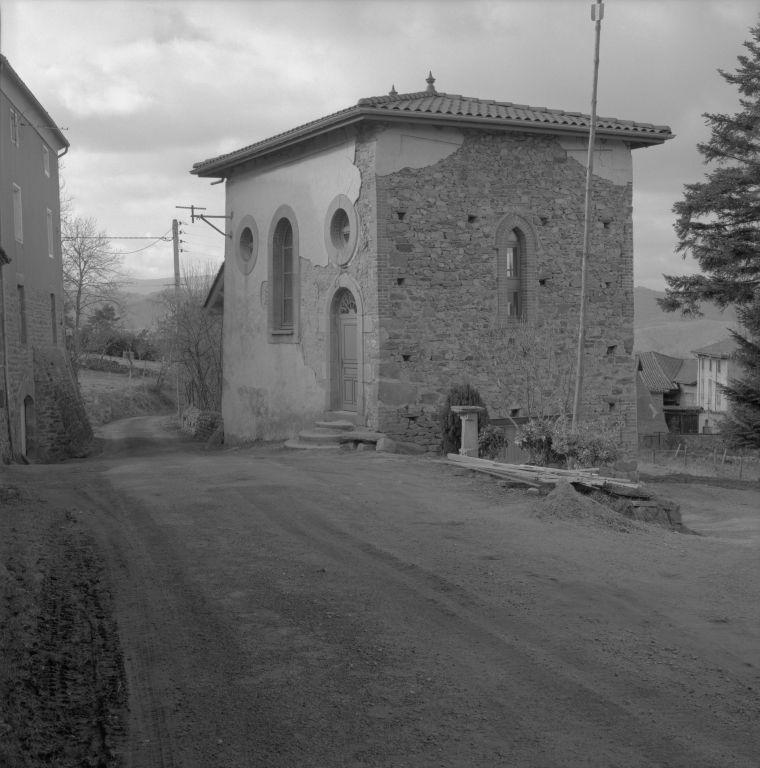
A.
x: 359, y: 609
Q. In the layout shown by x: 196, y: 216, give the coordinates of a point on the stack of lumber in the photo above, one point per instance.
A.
x: 541, y: 477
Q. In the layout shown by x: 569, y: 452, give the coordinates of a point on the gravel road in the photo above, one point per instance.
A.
x: 360, y: 609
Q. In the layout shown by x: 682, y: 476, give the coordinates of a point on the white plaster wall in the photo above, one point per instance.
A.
x: 269, y: 390
x: 612, y: 158
x: 414, y: 146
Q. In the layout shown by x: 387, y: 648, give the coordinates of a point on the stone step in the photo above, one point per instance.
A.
x: 342, y: 425
x: 321, y: 436
x: 297, y: 445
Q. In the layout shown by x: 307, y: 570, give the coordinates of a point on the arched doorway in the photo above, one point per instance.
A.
x: 346, y: 323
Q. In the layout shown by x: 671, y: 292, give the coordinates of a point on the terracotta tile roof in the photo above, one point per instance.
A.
x: 688, y: 372
x: 654, y: 376
x: 722, y: 348
x: 669, y: 365
x: 467, y: 106
x: 431, y: 105
x: 682, y: 408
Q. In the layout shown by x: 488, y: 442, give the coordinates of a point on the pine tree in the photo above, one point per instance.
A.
x: 719, y: 219
x: 719, y: 225
x: 741, y: 427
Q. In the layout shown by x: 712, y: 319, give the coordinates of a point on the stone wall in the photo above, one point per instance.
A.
x: 63, y: 429
x: 38, y: 369
x: 437, y: 287
x: 200, y: 424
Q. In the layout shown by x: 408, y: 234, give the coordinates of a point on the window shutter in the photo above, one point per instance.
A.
x: 46, y: 159
x: 18, y: 223
x: 50, y: 233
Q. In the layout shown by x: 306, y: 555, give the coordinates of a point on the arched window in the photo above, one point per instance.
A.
x: 283, y: 275
x: 510, y: 269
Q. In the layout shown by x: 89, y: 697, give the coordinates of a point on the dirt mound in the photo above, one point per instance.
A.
x: 565, y: 503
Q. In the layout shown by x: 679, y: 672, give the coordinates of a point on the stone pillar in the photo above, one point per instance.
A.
x: 469, y: 416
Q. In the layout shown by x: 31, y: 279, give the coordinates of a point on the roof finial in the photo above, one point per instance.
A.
x: 393, y: 91
x: 430, y: 80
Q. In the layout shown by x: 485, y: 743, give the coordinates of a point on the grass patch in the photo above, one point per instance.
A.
x: 108, y: 397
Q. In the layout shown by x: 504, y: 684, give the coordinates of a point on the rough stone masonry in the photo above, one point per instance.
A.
x: 437, y: 280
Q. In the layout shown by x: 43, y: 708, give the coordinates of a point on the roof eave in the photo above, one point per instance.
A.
x: 637, y: 140
x: 5, y: 64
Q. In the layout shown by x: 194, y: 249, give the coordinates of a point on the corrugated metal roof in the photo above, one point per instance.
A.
x: 433, y: 105
x: 722, y: 348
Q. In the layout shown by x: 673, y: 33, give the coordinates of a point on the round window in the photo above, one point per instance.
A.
x: 340, y: 230
x: 246, y: 244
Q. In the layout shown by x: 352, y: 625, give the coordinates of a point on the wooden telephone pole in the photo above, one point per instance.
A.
x: 597, y: 12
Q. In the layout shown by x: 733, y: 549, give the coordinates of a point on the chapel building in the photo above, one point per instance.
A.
x: 371, y: 249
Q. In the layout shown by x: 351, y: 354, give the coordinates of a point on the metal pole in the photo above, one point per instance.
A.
x: 175, y: 238
x: 597, y: 12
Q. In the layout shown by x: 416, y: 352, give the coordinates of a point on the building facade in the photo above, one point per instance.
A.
x: 715, y: 366
x: 672, y: 404
x: 371, y: 250
x: 41, y: 412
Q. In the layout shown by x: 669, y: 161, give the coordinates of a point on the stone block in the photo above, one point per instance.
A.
x: 385, y: 445
x: 412, y: 449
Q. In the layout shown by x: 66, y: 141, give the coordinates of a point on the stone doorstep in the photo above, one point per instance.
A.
x: 345, y: 426
x: 299, y: 446
x: 320, y: 436
x: 360, y: 436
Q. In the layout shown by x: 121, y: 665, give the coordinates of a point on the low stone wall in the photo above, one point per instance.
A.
x: 107, y: 366
x: 668, y: 441
x: 63, y: 429
x: 413, y: 424
x: 200, y: 424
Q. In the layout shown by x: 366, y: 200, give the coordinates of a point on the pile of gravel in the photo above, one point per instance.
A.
x: 565, y: 503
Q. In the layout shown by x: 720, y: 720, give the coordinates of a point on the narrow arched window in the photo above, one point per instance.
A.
x: 510, y: 277
x: 283, y: 275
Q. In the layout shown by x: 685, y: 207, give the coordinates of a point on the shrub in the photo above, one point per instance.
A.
x: 536, y: 437
x: 491, y: 440
x: 451, y: 424
x: 589, y: 444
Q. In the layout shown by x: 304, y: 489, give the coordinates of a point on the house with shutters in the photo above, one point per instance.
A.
x: 716, y: 366
x: 368, y: 250
x: 42, y: 416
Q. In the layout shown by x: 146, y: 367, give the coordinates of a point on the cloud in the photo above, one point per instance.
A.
x: 149, y: 88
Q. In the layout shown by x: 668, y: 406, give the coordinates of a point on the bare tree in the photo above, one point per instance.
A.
x: 93, y: 272
x: 532, y: 364
x: 194, y: 337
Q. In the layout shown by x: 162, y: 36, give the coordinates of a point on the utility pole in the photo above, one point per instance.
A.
x: 597, y: 12
x: 175, y: 239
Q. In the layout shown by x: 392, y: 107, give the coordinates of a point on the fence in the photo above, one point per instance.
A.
x: 712, y: 460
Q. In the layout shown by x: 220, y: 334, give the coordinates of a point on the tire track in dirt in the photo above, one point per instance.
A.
x: 584, y: 710
x: 150, y: 735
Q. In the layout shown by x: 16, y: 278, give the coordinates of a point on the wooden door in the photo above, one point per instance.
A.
x: 349, y: 352
x: 349, y: 363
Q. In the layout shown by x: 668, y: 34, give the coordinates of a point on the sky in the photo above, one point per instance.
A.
x: 146, y: 89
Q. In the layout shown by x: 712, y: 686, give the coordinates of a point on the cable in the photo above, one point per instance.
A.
x: 162, y: 238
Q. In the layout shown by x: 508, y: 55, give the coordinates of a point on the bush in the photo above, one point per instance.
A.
x: 589, y: 444
x: 536, y: 437
x: 451, y: 424
x: 491, y: 440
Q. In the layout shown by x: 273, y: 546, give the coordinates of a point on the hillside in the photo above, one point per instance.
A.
x: 669, y: 332
x: 647, y: 311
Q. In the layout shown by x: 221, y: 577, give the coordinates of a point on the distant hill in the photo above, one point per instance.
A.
x: 646, y: 310
x: 669, y: 332
x: 143, y: 287
x: 142, y: 311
